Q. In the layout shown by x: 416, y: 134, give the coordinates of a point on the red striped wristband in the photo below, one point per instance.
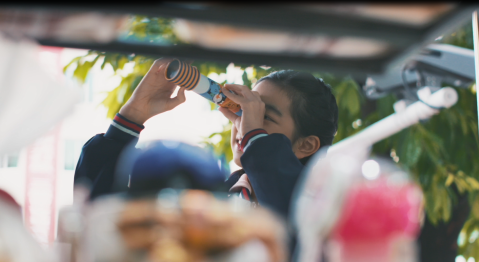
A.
x: 119, y: 119
x: 250, y: 135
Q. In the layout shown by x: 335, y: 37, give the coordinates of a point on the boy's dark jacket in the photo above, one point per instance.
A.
x: 269, y: 161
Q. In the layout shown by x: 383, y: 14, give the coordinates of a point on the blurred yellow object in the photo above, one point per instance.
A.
x: 168, y: 249
x: 200, y: 226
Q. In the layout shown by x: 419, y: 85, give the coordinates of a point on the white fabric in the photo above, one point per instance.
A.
x: 31, y: 102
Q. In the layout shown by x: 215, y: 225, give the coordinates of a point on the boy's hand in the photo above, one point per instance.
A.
x: 251, y: 104
x: 152, y: 96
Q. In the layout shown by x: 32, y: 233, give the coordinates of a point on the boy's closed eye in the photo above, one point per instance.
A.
x: 271, y: 109
x: 266, y: 117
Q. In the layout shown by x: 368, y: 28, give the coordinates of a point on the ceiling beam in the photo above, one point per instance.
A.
x: 277, y: 18
x: 357, y: 68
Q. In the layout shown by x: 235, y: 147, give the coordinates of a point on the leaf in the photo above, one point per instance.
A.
x: 111, y: 102
x: 446, y: 209
x: 474, y: 184
x: 411, y: 151
x: 449, y: 180
x: 351, y: 100
x: 83, y: 69
x: 475, y: 207
x: 74, y: 60
x: 106, y: 60
x: 213, y: 106
x: 114, y: 62
x: 461, y: 184
x: 214, y: 134
x: 121, y: 61
x: 246, y: 81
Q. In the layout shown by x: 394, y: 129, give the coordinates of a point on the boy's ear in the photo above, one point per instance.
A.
x: 306, y: 146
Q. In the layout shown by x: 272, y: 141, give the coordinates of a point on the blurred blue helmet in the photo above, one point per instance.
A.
x: 170, y: 164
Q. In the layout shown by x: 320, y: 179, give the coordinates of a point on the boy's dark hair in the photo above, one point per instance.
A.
x: 313, y: 105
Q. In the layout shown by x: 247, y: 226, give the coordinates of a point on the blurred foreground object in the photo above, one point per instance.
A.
x: 16, y: 243
x: 413, y: 14
x: 364, y: 211
x: 8, y: 199
x: 61, y: 26
x: 31, y: 102
x: 166, y: 212
x: 188, y: 225
x: 430, y: 103
x: 166, y: 164
x: 435, y: 66
x: 347, y: 39
x: 215, y: 36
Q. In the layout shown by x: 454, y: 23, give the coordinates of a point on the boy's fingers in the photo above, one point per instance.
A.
x: 257, y: 95
x: 179, y: 98
x: 161, y: 64
x: 237, y: 88
x: 228, y: 114
x: 236, y: 98
x: 241, y: 89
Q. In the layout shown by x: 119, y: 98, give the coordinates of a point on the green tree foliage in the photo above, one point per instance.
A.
x: 462, y: 147
x: 438, y: 153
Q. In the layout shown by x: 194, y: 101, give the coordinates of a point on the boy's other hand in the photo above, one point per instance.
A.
x: 152, y: 96
x: 251, y: 104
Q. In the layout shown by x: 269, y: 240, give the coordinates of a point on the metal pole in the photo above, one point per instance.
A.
x: 476, y: 54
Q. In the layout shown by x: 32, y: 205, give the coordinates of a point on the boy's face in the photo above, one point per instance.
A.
x: 278, y: 118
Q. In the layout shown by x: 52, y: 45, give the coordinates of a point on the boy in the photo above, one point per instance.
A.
x: 287, y: 118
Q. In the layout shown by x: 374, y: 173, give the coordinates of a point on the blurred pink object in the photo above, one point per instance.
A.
x: 377, y: 216
x: 351, y: 209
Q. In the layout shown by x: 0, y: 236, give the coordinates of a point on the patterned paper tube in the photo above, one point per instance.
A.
x: 189, y: 77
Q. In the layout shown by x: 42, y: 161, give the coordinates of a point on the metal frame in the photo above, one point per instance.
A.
x: 356, y: 67
x: 406, y: 39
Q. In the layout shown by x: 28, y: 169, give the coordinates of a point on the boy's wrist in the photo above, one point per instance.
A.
x: 128, y: 111
x: 123, y: 129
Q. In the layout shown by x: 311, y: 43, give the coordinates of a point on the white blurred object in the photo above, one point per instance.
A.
x: 445, y: 97
x: 319, y: 197
x: 31, y: 102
